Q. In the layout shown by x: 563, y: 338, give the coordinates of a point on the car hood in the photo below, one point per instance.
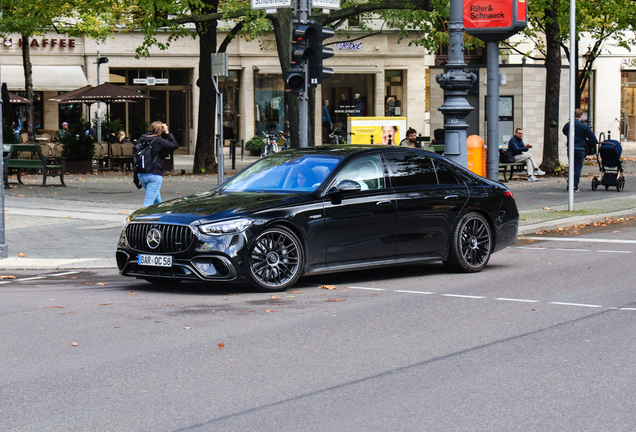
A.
x: 213, y: 205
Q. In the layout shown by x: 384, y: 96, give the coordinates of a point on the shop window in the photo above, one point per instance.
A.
x: 394, y: 96
x: 71, y: 113
x: 38, y: 107
x: 345, y: 96
x: 177, y: 77
x: 628, y: 105
x: 231, y: 106
x: 269, y: 107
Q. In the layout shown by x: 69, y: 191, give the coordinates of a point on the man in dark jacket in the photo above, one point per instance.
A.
x: 582, y: 133
x: 517, y: 149
x: 151, y: 181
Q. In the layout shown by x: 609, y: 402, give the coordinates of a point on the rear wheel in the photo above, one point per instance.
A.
x: 471, y: 245
x: 594, y: 183
x: 620, y: 184
x: 276, y: 259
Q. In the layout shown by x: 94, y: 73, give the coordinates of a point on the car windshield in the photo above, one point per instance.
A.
x: 284, y: 173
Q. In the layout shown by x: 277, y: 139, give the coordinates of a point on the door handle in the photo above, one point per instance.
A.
x: 450, y: 196
x: 383, y: 202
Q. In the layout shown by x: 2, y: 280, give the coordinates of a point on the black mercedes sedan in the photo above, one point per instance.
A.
x: 322, y: 210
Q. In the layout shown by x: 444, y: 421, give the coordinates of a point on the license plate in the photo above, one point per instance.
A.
x: 154, y: 260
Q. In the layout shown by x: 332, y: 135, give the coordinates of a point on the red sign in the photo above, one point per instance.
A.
x: 494, y: 19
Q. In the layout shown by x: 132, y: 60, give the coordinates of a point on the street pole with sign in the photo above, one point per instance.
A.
x: 4, y: 250
x: 493, y: 21
x: 219, y: 69
x: 100, y: 61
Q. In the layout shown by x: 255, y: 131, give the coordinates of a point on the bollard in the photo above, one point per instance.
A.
x: 233, y: 153
x: 242, y: 149
x: 476, y: 155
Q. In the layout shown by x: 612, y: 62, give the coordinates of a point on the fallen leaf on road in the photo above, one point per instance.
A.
x: 333, y: 300
x: 105, y: 304
x: 131, y: 293
x: 169, y: 304
x: 187, y: 328
x: 7, y: 277
x: 126, y: 316
x: 101, y: 283
x: 270, y: 310
x: 144, y: 391
x: 546, y: 208
x: 89, y: 283
x: 615, y: 231
x: 296, y: 292
x: 221, y: 345
x: 329, y: 287
x: 75, y: 344
x: 20, y: 195
x: 20, y: 254
x: 275, y: 298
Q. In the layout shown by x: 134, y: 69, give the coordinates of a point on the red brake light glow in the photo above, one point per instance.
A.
x: 509, y: 194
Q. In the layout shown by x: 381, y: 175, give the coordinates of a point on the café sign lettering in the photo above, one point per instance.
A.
x: 628, y: 63
x: 45, y: 42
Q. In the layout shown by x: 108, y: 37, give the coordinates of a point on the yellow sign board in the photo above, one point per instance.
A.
x: 377, y: 130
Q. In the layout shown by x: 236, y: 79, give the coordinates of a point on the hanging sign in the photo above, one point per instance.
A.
x: 271, y: 4
x: 494, y: 20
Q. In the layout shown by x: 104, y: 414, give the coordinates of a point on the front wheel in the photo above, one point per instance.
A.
x: 620, y: 184
x: 276, y: 259
x: 471, y: 245
x: 595, y: 183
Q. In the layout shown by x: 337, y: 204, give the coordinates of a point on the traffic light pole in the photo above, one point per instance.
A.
x: 303, y: 98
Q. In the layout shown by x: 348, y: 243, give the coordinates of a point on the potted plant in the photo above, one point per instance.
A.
x: 255, y: 146
x: 78, y: 149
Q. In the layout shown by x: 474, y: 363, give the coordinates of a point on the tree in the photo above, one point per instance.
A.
x: 606, y: 22
x: 94, y: 18
x: 156, y: 15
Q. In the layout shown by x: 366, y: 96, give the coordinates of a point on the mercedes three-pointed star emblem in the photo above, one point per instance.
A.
x: 153, y: 238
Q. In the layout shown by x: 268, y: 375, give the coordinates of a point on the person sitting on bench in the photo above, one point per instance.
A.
x: 518, y: 149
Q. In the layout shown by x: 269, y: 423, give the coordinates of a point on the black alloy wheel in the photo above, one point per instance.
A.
x: 471, y: 245
x: 276, y: 259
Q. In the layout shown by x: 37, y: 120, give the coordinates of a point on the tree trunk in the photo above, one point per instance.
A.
x: 28, y: 87
x: 204, y: 153
x: 282, y: 30
x: 552, y: 90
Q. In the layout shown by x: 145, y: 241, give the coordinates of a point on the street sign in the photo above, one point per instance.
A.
x: 494, y: 20
x: 271, y: 4
x: 219, y: 64
x: 325, y: 4
x: 150, y: 81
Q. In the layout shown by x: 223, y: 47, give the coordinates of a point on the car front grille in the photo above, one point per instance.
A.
x: 174, y: 238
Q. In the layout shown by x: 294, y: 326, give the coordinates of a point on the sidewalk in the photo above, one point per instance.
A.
x: 78, y: 226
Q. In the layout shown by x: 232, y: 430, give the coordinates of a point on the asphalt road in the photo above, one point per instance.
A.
x: 542, y: 340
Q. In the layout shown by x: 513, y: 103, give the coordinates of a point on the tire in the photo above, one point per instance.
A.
x: 163, y: 282
x: 620, y: 185
x: 471, y: 245
x: 594, y: 183
x: 276, y: 259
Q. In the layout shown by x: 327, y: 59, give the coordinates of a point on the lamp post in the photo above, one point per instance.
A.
x: 100, y: 61
x: 455, y: 82
x: 4, y: 251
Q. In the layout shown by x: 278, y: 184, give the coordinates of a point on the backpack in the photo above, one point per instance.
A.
x: 143, y: 160
x: 505, y: 156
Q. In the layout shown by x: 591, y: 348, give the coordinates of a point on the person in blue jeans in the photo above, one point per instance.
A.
x: 151, y: 181
x: 582, y: 133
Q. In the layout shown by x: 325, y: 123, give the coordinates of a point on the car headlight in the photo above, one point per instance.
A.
x: 233, y: 226
x: 126, y: 223
x: 123, y: 241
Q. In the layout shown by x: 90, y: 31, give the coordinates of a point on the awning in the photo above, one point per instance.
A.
x: 45, y: 78
x: 276, y: 70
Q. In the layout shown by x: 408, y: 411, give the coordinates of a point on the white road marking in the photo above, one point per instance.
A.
x: 614, y: 251
x: 64, y: 274
x: 588, y: 240
x: 31, y: 278
x: 414, y: 292
x: 517, y: 300
x: 365, y: 288
x: 575, y: 304
x: 630, y: 309
x: 463, y: 296
x: 572, y: 250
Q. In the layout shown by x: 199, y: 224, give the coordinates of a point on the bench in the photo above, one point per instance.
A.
x: 514, y: 167
x: 50, y: 166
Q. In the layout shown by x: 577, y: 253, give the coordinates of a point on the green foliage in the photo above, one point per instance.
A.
x: 255, y: 145
x: 78, y: 146
x: 8, y: 133
x: 108, y: 125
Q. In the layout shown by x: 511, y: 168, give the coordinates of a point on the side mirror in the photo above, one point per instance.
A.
x: 348, y: 186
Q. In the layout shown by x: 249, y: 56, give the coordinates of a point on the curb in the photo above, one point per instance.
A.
x: 571, y: 221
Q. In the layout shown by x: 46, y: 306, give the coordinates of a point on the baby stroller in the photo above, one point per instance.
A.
x: 609, y: 162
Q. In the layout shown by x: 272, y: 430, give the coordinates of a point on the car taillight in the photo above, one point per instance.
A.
x: 509, y: 194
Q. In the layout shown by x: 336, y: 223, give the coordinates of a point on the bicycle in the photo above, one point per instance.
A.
x: 337, y: 135
x: 270, y: 146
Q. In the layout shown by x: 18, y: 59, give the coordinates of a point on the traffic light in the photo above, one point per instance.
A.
x: 300, y: 52
x: 317, y: 72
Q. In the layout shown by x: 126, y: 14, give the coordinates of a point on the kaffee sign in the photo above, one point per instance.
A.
x: 494, y: 20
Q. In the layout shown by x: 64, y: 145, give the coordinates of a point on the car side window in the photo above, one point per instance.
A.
x: 367, y: 171
x: 411, y: 169
x: 444, y: 174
